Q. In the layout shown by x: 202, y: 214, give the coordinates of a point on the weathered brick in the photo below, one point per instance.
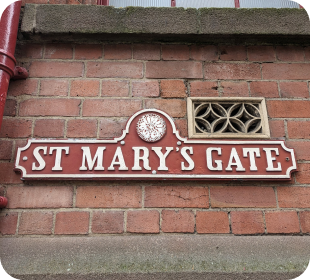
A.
x: 50, y: 107
x: 143, y: 221
x: 264, y: 89
x: 20, y: 87
x: 174, y: 107
x: 85, y: 88
x: 58, y: 51
x: 36, y: 2
x: 54, y: 87
x: 286, y: 71
x: 15, y: 128
x: 293, y: 197
x: 232, y: 71
x: 115, y: 88
x: 175, y: 52
x: 282, y: 222
x: 204, y: 89
x: 49, y: 128
x: 111, y: 69
x: 288, y: 108
x: 51, y: 69
x: 111, y: 128
x: 82, y: 128
x: 235, y: 89
x: 261, y: 53
x: 178, y: 221
x: 146, y: 52
x: 302, y: 149
x: 173, y: 88
x: 8, y: 223
x: 294, y: 89
x: 111, y: 107
x: 248, y: 222
x: 72, y: 223
x: 10, y: 108
x: 204, y: 53
x: 305, y: 221
x: 108, y: 197
x: 181, y: 125
x: 2, y: 190
x: 212, y: 222
x: 233, y: 53
x: 242, y: 197
x: 88, y: 51
x: 181, y: 197
x: 36, y: 223
x: 290, y: 53
x: 298, y: 129
x: 117, y: 51
x: 7, y: 175
x: 145, y: 88
x: 108, y: 222
x: 39, y: 197
x: 277, y: 129
x: 6, y: 149
x: 303, y: 174
x: 173, y: 69
x: 30, y: 50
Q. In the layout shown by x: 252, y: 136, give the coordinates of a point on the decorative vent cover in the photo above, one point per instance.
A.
x: 227, y: 118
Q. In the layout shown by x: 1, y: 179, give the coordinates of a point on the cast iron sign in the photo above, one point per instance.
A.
x: 151, y: 148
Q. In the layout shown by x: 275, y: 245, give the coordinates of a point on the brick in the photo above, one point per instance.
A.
x: 7, y: 175
x: 111, y: 107
x: 108, y: 197
x: 173, y: 88
x: 204, y: 89
x: 235, y: 89
x: 175, y: 52
x: 111, y: 128
x: 293, y: 197
x: 303, y: 174
x: 21, y: 87
x: 49, y: 128
x: 82, y: 128
x: 176, y: 108
x: 58, y: 51
x: 178, y: 221
x: 305, y: 221
x: 115, y: 88
x: 54, y: 87
x: 307, y: 53
x: 242, y: 197
x: 181, y: 197
x: 6, y: 149
x: 261, y: 53
x: 88, y: 51
x: 50, y: 107
x: 16, y: 128
x: 286, y: 71
x: 117, y: 51
x: 10, y: 108
x: 35, y: 2
x: 51, y: 69
x: 212, y: 222
x: 264, y: 89
x: 248, y: 222
x: 233, y: 53
x: 302, y: 149
x: 108, y: 222
x: 277, y: 129
x: 145, y: 89
x: 2, y: 190
x: 72, y: 223
x: 204, y: 53
x: 181, y: 125
x: 146, y: 52
x: 115, y: 69
x: 85, y: 88
x: 39, y: 197
x: 290, y: 53
x: 143, y: 221
x: 29, y: 50
x: 8, y: 223
x: 294, y: 89
x: 36, y: 223
x: 173, y: 69
x: 288, y: 108
x: 282, y: 222
x: 232, y: 71
x: 298, y: 129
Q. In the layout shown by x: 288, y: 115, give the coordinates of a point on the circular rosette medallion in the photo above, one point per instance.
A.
x: 151, y: 127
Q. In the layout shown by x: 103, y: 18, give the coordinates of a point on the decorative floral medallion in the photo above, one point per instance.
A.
x: 151, y: 127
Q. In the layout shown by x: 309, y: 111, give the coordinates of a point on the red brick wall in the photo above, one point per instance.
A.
x: 89, y: 91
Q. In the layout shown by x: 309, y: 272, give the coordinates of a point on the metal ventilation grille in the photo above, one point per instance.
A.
x: 268, y: 4
x: 227, y: 118
x: 140, y: 3
x: 205, y: 3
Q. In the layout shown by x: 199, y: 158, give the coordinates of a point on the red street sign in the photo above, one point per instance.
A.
x: 151, y: 148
